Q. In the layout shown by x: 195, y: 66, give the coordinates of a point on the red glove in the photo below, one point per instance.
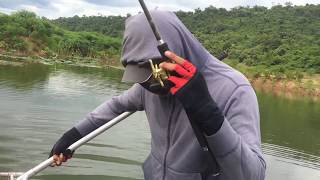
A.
x: 192, y: 92
x: 183, y: 68
x: 186, y: 71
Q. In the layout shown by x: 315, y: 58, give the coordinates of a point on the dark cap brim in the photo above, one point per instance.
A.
x: 136, y: 74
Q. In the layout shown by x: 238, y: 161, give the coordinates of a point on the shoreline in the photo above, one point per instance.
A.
x: 289, y: 89
x: 305, y: 88
x: 6, y: 59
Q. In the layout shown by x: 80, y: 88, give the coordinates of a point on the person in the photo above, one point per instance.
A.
x: 205, y: 91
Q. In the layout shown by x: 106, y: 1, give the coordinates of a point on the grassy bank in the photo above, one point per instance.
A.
x: 307, y: 87
x: 26, y: 35
x: 290, y: 83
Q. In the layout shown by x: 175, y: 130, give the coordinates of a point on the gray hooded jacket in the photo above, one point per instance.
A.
x: 175, y: 152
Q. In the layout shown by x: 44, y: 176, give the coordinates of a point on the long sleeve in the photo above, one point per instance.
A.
x: 236, y: 145
x: 130, y: 100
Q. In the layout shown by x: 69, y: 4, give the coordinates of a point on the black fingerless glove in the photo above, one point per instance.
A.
x: 64, y: 142
x: 199, y: 106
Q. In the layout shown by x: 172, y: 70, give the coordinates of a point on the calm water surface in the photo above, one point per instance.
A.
x: 38, y: 103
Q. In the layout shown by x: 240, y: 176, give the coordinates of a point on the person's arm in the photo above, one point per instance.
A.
x: 236, y: 145
x: 233, y: 137
x: 130, y: 100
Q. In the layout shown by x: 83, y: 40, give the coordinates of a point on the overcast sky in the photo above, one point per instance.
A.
x: 65, y: 8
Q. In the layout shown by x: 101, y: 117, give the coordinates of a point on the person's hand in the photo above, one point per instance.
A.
x: 59, y: 151
x: 59, y: 159
x: 182, y: 67
x: 190, y: 88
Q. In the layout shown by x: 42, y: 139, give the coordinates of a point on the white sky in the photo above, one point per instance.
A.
x: 65, y: 8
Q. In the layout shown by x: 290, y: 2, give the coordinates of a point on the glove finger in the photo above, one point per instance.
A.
x: 178, y: 83
x: 183, y: 72
x: 190, y: 67
x: 175, y: 80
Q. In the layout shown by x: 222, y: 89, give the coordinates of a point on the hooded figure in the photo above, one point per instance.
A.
x: 175, y: 151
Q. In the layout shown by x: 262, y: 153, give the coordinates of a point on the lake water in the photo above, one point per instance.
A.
x: 38, y: 103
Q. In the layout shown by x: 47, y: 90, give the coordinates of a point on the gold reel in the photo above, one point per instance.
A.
x: 158, y: 73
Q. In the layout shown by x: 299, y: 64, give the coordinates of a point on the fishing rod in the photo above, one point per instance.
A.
x: 43, y: 165
x: 163, y: 47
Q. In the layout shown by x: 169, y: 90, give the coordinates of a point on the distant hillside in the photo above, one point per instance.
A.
x: 25, y: 34
x: 110, y: 25
x: 280, y: 38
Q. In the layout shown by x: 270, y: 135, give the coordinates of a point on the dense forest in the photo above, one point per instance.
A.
x: 278, y: 40
x: 23, y: 33
x: 282, y: 37
x: 107, y: 25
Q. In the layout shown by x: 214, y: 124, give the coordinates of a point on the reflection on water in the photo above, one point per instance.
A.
x: 295, y: 124
x: 290, y: 135
x: 38, y: 103
x: 23, y: 77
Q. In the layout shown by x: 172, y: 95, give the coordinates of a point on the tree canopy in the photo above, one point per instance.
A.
x: 27, y: 34
x: 280, y: 38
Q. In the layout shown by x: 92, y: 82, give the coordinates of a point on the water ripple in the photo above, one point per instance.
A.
x: 82, y: 177
x: 108, y: 159
x: 103, y: 145
x: 292, y: 156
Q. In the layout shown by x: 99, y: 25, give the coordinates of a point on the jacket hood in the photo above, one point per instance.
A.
x: 140, y: 44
